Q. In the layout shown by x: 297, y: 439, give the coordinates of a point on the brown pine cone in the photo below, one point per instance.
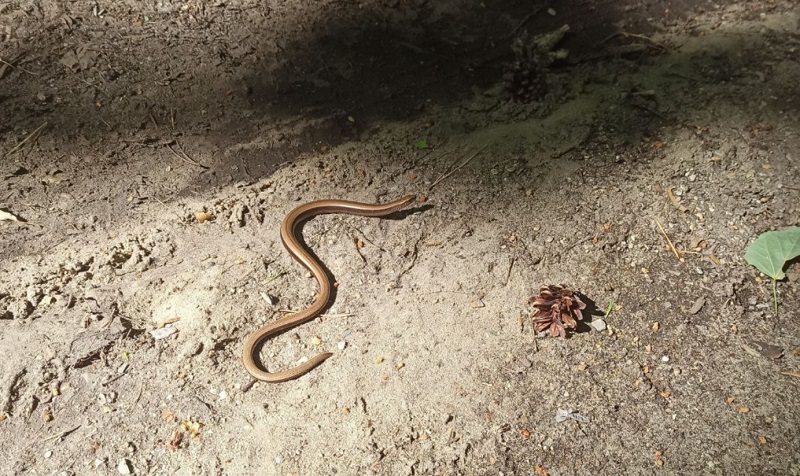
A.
x: 558, y: 309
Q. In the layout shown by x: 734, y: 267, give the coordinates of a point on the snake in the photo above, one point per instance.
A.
x: 301, y: 254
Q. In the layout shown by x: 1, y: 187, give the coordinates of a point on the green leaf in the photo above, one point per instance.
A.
x: 421, y: 144
x: 770, y: 252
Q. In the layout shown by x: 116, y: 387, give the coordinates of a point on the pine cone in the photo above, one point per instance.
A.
x: 525, y: 82
x: 558, y: 308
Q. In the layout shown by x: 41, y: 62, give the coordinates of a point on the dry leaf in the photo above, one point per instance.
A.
x: 659, y: 461
x: 167, y: 321
x: 729, y: 400
x: 3, y: 416
x: 203, y: 216
x: 666, y: 394
x: 191, y: 426
x: 525, y: 434
x: 540, y: 471
x: 744, y: 410
x: 6, y: 216
x: 175, y: 441
x: 168, y: 416
x: 675, y: 202
x: 762, y: 440
x: 477, y: 304
x: 655, y: 327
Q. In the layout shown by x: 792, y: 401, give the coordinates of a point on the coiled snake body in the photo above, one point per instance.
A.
x: 302, y: 256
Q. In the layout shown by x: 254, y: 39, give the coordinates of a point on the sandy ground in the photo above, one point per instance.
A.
x: 122, y: 317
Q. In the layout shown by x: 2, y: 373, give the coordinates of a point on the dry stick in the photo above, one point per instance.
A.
x: 669, y: 242
x: 580, y: 143
x: 12, y: 65
x: 60, y: 434
x: 180, y: 147
x: 525, y: 20
x: 31, y: 135
x: 632, y: 35
x: 508, y: 274
x: 364, y: 235
x: 675, y: 201
x: 186, y: 159
x: 463, y: 164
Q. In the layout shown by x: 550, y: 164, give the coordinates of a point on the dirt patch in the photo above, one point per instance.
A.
x: 122, y: 317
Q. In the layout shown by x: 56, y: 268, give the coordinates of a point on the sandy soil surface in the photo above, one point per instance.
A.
x: 638, y: 166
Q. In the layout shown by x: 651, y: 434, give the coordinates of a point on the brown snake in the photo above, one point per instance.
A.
x: 302, y: 256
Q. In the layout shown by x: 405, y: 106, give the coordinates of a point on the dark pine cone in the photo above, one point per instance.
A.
x: 557, y: 308
x: 525, y: 82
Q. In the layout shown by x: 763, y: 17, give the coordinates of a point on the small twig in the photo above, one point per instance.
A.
x: 463, y: 164
x: 180, y: 147
x: 632, y: 35
x: 675, y: 201
x: 363, y: 235
x: 249, y: 385
x: 669, y: 242
x: 581, y: 241
x: 414, y: 256
x: 525, y: 20
x: 791, y: 374
x: 12, y: 65
x: 30, y: 137
x: 282, y: 273
x: 186, y: 159
x: 569, y: 149
x: 651, y: 111
x: 510, y: 267
x: 60, y: 434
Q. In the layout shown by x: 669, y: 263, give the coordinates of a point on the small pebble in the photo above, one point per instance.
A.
x: 124, y: 467
x: 48, y: 454
x: 598, y: 324
x: 665, y: 358
x: 163, y: 333
x: 341, y: 345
